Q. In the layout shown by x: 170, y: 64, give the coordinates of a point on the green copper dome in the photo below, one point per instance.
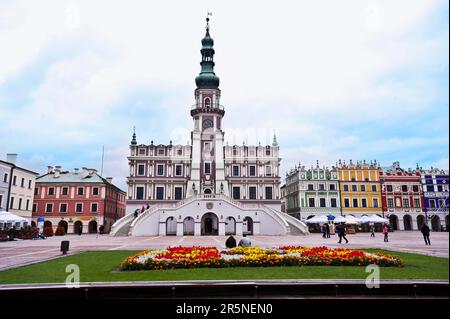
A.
x: 207, y: 79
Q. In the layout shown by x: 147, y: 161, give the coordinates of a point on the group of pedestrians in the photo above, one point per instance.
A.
x: 141, y: 210
x: 326, y: 230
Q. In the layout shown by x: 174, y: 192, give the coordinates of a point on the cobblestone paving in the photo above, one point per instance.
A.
x: 24, y: 252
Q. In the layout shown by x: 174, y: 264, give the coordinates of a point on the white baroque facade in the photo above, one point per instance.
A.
x: 205, y: 187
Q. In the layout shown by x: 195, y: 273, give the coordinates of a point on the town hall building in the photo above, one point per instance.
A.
x: 206, y: 187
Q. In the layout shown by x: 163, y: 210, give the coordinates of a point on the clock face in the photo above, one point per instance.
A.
x: 207, y: 124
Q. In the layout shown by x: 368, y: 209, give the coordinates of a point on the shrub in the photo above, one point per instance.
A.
x: 60, y: 231
x: 48, y: 231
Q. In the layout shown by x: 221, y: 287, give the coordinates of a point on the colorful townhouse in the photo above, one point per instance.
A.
x: 402, y: 197
x: 16, y: 187
x: 79, y: 201
x: 435, y: 185
x: 312, y: 191
x: 360, y: 188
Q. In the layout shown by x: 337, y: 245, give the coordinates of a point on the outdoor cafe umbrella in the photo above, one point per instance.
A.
x: 373, y: 219
x: 317, y: 220
x: 8, y: 218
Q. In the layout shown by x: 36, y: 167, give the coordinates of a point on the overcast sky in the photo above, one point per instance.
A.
x: 335, y: 79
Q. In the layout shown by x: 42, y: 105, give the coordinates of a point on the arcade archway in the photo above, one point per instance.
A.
x: 171, y: 226
x: 210, y: 224
x: 188, y: 226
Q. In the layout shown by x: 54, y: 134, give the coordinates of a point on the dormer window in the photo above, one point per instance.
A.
x: 207, y: 102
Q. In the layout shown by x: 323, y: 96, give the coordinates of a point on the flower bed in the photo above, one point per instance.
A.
x: 210, y: 257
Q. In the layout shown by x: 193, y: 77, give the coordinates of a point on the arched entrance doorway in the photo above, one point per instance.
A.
x: 248, y: 226
x: 435, y: 223
x: 393, y: 222
x: 230, y: 226
x: 64, y: 225
x: 207, y: 191
x: 188, y: 226
x: 210, y: 224
x: 92, y: 227
x: 78, y: 227
x: 407, y: 222
x: 420, y: 221
x: 171, y: 227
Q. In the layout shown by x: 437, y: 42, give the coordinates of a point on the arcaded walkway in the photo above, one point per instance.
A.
x: 29, y: 251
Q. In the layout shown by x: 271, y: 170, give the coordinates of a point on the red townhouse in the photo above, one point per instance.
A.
x: 76, y: 200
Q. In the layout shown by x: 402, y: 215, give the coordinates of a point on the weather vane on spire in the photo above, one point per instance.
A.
x: 208, y: 14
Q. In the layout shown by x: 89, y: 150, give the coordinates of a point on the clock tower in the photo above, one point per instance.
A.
x: 208, y: 165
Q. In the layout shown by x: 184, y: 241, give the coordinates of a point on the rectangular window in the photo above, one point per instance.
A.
x: 27, y: 205
x: 430, y: 188
x: 332, y: 187
x: 345, y: 188
x: 236, y: 192
x: 252, y: 170
x: 439, y: 188
x: 94, y: 207
x: 15, y: 180
x: 29, y: 184
x: 375, y: 202
x: 64, y: 191
x: 322, y: 202
x: 355, y: 202
x: 160, y: 170
x: 389, y: 188
x: 310, y: 187
x: 432, y: 203
x: 11, y: 204
x: 267, y: 151
x: 1, y: 201
x: 404, y: 188
x: 346, y: 202
x: 5, y: 178
x: 80, y: 191
x: 49, y: 208
x: 63, y: 208
x: 178, y: 193
x: 36, y: 191
x: 141, y: 169
x: 252, y: 192
x: 95, y: 191
x: 374, y: 188
x: 20, y: 204
x: 321, y: 187
x: 405, y: 202
x: 178, y: 170
x: 51, y: 191
x: 333, y: 202
x: 34, y: 208
x: 207, y: 168
x: 390, y: 203
x: 139, y: 192
x: 269, y: 192
x: 415, y: 188
x: 79, y: 208
x: 311, y: 202
x: 159, y: 193
x: 416, y: 202
x: 22, y: 182
x: 268, y: 170
x: 354, y: 188
x: 235, y: 170
x: 363, y: 188
x: 364, y: 202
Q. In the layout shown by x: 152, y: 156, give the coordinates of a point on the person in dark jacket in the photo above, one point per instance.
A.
x: 230, y: 242
x: 327, y: 228
x: 341, y: 233
x: 324, y: 231
x: 426, y: 234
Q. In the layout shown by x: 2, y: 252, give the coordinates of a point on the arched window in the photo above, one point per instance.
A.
x: 207, y: 102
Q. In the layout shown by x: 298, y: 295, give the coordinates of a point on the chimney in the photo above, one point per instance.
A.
x: 57, y: 171
x: 11, y: 158
x: 109, y: 179
x: 49, y: 169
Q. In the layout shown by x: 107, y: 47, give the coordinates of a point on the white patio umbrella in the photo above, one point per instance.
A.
x: 317, y: 220
x: 339, y: 219
x: 351, y: 220
x: 8, y: 218
x: 377, y: 219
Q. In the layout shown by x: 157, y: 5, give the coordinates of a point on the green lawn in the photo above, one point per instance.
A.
x: 102, y: 266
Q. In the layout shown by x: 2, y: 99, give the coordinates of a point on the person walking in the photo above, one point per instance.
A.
x: 372, y: 230
x: 426, y: 234
x: 324, y: 231
x: 386, y: 233
x: 341, y: 233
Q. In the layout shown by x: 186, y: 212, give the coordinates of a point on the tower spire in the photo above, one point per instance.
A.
x: 133, y: 140
x: 207, y: 79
